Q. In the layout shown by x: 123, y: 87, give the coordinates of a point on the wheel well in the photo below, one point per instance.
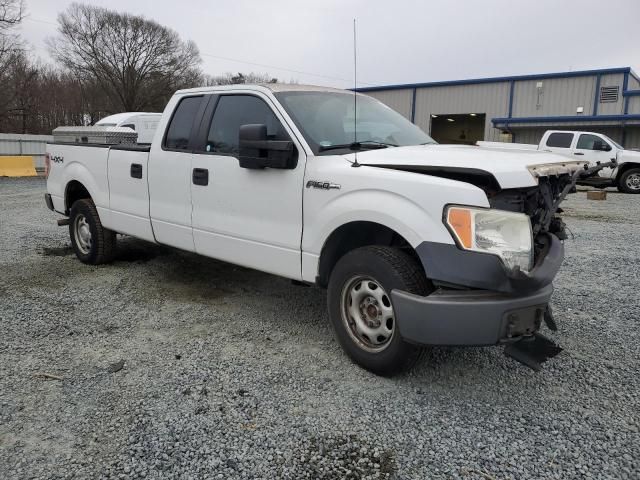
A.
x: 74, y: 191
x: 626, y: 166
x: 355, y: 235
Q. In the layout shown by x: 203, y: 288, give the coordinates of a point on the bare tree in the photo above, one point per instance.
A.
x: 11, y: 14
x: 231, y: 79
x: 137, y: 62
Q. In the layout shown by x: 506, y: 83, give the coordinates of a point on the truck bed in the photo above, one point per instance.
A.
x: 138, y: 147
x: 116, y: 176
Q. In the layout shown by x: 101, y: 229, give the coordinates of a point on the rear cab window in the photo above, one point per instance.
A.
x: 560, y: 140
x: 181, y: 125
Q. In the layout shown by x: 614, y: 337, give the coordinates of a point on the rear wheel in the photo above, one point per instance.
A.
x: 92, y: 243
x: 361, y: 310
x: 629, y: 181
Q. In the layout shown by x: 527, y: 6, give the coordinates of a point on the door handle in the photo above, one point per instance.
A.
x: 578, y: 153
x: 136, y: 170
x: 200, y: 176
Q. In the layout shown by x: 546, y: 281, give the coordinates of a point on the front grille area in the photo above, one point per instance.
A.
x: 539, y: 203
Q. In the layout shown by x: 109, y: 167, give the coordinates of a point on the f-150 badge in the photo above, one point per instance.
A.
x: 323, y: 185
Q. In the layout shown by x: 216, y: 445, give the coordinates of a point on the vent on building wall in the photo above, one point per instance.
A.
x: 609, y: 94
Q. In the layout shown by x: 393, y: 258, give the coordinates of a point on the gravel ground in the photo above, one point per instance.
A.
x: 168, y: 365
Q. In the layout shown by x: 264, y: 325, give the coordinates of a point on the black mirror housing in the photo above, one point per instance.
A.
x: 257, y: 151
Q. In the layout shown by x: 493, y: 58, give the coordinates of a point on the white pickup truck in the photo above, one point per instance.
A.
x: 417, y: 243
x: 593, y: 148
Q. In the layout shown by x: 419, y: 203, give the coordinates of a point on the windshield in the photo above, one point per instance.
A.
x: 615, y: 144
x: 326, y: 119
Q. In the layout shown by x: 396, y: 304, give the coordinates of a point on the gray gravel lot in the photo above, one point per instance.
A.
x: 232, y: 373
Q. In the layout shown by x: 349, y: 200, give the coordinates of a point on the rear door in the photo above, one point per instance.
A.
x: 245, y: 216
x: 170, y: 173
x: 559, y: 142
x: 129, y: 192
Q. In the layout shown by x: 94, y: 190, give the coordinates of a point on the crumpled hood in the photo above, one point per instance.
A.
x: 511, y: 168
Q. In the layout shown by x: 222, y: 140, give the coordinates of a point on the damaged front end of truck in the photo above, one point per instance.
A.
x: 542, y: 205
x: 484, y: 300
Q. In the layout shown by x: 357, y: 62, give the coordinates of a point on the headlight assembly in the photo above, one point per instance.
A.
x: 505, y: 234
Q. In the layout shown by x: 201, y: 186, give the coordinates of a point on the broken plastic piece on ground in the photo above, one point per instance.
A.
x: 532, y: 351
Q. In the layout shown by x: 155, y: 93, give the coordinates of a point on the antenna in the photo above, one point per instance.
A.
x: 355, y: 97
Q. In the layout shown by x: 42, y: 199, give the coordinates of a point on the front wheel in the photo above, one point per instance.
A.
x: 361, y: 310
x: 629, y: 181
x: 92, y: 243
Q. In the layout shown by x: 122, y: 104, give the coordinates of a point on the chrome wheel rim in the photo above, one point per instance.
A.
x: 367, y: 313
x: 633, y: 181
x: 82, y: 233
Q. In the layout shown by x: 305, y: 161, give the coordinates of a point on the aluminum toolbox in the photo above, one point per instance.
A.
x: 96, y: 135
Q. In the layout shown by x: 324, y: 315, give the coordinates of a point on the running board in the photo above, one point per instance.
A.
x: 597, y: 182
x: 532, y: 351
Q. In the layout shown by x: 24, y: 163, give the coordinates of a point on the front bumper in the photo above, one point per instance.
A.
x: 469, y: 317
x: 498, y: 305
x: 447, y: 264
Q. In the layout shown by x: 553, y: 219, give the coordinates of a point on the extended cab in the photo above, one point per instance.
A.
x: 417, y: 243
x: 593, y: 148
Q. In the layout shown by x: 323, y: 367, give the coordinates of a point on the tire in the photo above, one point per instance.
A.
x: 92, y: 243
x: 629, y: 181
x: 351, y: 290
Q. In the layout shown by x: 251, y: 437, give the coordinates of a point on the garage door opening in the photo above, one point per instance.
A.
x: 464, y: 129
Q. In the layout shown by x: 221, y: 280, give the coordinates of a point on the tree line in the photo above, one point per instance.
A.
x: 105, y: 62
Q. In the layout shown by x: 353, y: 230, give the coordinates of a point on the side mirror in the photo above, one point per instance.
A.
x: 601, y: 146
x: 257, y: 151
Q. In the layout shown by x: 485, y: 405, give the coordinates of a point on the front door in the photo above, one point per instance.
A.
x: 245, y: 216
x: 586, y: 148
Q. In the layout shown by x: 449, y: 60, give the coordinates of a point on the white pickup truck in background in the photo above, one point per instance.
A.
x: 417, y: 243
x: 143, y: 123
x: 593, y: 148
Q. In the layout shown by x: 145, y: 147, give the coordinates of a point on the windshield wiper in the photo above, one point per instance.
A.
x: 356, y: 146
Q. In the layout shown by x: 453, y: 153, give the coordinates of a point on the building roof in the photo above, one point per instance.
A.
x: 472, y: 81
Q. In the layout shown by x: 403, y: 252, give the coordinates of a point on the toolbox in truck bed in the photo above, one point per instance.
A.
x: 95, y: 135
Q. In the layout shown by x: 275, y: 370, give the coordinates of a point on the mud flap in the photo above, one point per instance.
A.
x: 532, y: 351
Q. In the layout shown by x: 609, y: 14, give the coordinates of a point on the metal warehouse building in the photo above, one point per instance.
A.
x: 521, y: 108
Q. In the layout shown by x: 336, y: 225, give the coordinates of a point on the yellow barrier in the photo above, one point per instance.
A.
x: 17, y: 166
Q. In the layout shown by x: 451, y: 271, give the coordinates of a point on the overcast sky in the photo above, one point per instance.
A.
x: 399, y: 41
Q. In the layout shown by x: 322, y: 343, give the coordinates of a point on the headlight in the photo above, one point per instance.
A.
x: 498, y: 232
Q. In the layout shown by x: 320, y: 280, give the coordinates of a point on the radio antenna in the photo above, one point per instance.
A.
x: 355, y: 98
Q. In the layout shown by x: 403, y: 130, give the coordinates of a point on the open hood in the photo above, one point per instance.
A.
x: 511, y: 168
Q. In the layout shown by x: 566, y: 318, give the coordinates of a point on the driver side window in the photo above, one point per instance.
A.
x: 588, y: 142
x: 233, y: 111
